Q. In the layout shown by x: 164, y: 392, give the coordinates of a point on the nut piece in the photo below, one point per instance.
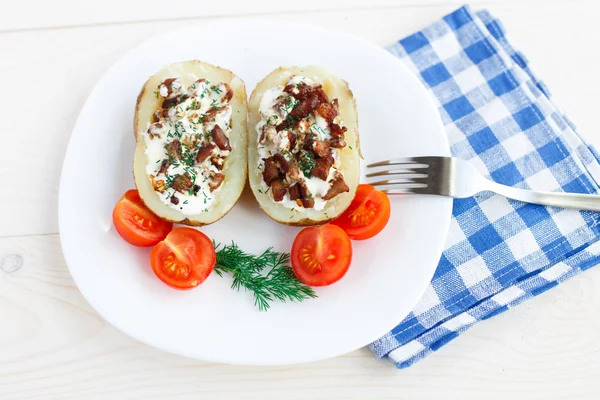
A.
x: 158, y: 185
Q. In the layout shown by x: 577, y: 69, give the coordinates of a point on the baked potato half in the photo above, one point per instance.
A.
x: 190, y: 160
x: 303, y: 145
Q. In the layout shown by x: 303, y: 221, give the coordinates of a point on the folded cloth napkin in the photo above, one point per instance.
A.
x: 500, y: 117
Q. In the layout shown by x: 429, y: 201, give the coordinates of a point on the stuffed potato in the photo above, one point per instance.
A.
x: 191, y: 142
x: 303, y: 145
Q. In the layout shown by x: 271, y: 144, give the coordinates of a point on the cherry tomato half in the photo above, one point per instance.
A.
x: 367, y: 215
x: 136, y: 224
x: 184, y: 259
x: 321, y: 255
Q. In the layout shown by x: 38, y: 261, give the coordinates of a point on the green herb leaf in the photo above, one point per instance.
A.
x: 268, y: 276
x: 306, y: 162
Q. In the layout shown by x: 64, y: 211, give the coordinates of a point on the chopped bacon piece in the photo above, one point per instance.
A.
x: 286, y: 123
x: 228, y: 92
x: 156, y: 129
x: 267, y: 132
x: 327, y: 112
x: 308, y: 144
x: 304, y: 193
x: 278, y: 189
x: 169, y: 84
x: 164, y: 166
x: 219, y: 138
x: 321, y: 95
x: 337, y: 142
x: 168, y: 103
x: 291, y: 139
x: 210, y: 114
x: 182, y: 183
x: 299, y: 192
x: 294, y: 191
x: 321, y: 169
x: 335, y: 104
x: 337, y: 130
x: 299, y: 91
x: 204, y: 152
x: 308, y: 202
x: 195, y: 87
x: 174, y: 199
x: 338, y: 185
x: 217, y: 162
x: 271, y: 171
x: 321, y: 148
x: 283, y: 163
x: 215, y: 181
x: 305, y: 106
x: 160, y: 114
x: 174, y: 150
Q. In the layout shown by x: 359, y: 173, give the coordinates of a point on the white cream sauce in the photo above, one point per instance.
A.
x: 273, y: 113
x: 185, y: 123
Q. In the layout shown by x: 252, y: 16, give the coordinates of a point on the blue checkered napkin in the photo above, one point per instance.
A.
x: 500, y: 117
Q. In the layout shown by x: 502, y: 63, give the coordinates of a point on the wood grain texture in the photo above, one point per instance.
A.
x: 35, y: 14
x: 54, y: 346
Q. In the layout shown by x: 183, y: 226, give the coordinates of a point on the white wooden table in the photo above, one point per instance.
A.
x: 54, y: 346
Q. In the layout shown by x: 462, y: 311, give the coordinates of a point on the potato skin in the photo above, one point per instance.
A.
x: 350, y: 156
x: 235, y: 166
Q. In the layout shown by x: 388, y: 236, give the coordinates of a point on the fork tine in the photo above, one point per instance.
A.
x: 426, y: 161
x: 419, y: 190
x: 419, y: 182
x: 404, y: 172
x: 396, y: 161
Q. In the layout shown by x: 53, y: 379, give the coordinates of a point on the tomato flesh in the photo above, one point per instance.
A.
x: 184, y: 259
x: 136, y: 224
x: 321, y: 255
x: 367, y: 215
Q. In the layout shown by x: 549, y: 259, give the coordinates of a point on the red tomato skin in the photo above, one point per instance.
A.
x: 379, y: 204
x: 189, y: 247
x: 126, y: 210
x: 327, y: 250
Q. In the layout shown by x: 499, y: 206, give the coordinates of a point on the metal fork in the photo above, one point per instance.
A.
x: 453, y: 177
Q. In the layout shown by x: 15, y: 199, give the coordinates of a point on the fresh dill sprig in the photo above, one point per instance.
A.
x: 268, y: 276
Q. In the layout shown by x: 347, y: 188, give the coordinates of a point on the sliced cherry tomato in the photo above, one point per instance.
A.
x: 136, y: 223
x: 184, y: 259
x: 367, y: 215
x: 321, y: 255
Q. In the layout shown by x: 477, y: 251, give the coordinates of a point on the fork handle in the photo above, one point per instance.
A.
x: 565, y: 200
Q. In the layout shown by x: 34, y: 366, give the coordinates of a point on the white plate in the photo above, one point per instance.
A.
x: 388, y: 274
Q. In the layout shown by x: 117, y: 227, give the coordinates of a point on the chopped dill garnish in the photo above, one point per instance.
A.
x: 268, y: 276
x: 306, y: 162
x: 214, y: 104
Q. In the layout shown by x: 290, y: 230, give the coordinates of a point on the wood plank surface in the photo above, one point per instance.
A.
x: 54, y: 346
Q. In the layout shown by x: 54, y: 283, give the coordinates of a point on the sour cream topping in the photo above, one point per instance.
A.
x: 183, y: 127
x: 275, y: 108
